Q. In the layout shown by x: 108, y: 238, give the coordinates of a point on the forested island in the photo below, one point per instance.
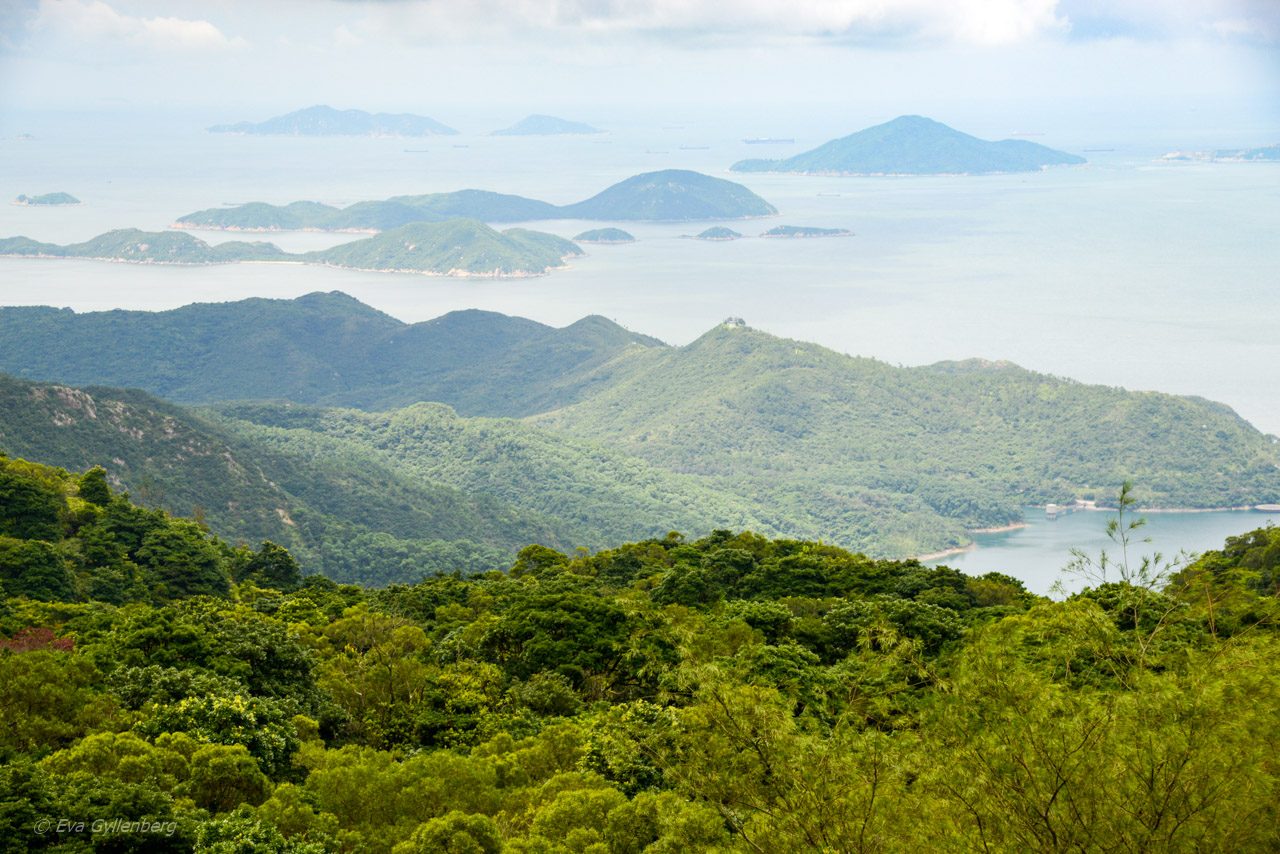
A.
x: 717, y: 232
x: 726, y: 693
x: 802, y: 231
x: 915, y: 145
x: 605, y: 235
x: 455, y: 247
x: 604, y: 435
x: 670, y: 195
x: 539, y: 125
x: 323, y: 120
x: 47, y: 199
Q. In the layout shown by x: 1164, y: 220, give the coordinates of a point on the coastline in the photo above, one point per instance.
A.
x: 999, y: 529
x: 454, y: 273
x: 958, y: 550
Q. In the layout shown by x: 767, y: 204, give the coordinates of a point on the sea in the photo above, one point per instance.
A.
x: 1129, y: 271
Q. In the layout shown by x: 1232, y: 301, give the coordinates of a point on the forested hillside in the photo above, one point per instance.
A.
x: 623, y: 437
x: 841, y: 443
x: 731, y: 693
x: 320, y: 348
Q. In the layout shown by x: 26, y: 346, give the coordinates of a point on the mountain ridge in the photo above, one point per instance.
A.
x: 914, y: 145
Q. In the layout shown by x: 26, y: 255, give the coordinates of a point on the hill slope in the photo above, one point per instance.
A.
x: 914, y: 145
x: 797, y: 439
x: 320, y: 348
x: 346, y: 512
x: 322, y: 120
x: 866, y: 454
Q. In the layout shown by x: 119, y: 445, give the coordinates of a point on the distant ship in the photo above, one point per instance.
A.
x: 767, y: 140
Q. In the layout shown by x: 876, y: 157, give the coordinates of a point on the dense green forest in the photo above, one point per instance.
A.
x: 619, y: 437
x: 162, y: 690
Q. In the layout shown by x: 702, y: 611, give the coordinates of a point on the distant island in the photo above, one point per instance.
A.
x: 914, y: 145
x: 717, y: 232
x: 457, y: 247
x: 669, y: 195
x: 1263, y: 154
x: 145, y: 247
x: 48, y: 199
x: 805, y: 231
x: 537, y: 125
x: 322, y: 120
x: 605, y: 235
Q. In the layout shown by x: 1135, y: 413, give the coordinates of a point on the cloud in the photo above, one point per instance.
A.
x: 980, y: 22
x: 1256, y: 21
x: 891, y: 23
x: 95, y: 22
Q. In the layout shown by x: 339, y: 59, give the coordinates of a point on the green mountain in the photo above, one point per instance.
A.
x: 47, y: 199
x: 671, y: 195
x: 914, y: 145
x: 871, y: 456
x: 805, y: 231
x: 455, y: 247
x: 323, y: 120
x: 785, y: 436
x: 605, y: 235
x: 538, y: 125
x: 146, y: 247
x: 320, y: 348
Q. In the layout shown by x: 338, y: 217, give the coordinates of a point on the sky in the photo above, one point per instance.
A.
x: 1172, y: 62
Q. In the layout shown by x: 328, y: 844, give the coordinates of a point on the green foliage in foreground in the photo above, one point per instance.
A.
x: 729, y: 694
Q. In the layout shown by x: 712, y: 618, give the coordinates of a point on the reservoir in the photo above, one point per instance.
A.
x: 1038, y: 553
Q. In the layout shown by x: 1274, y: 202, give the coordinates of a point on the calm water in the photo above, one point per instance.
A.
x: 1037, y: 553
x: 1126, y: 272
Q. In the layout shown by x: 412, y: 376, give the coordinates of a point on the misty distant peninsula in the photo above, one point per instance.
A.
x: 457, y: 247
x: 673, y: 195
x: 538, y: 125
x: 1263, y: 154
x: 803, y: 231
x: 915, y: 145
x: 47, y: 199
x: 322, y: 120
